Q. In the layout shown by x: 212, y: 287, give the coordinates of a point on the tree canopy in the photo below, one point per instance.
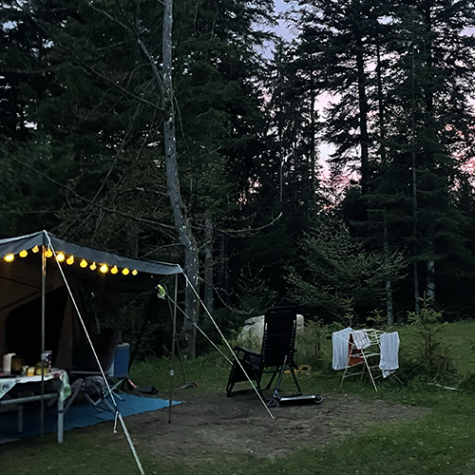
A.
x: 86, y: 111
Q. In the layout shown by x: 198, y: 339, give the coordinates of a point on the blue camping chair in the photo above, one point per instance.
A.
x: 113, y: 356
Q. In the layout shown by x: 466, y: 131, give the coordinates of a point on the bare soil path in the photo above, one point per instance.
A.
x: 212, y: 425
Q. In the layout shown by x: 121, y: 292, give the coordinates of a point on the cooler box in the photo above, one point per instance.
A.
x: 120, y: 365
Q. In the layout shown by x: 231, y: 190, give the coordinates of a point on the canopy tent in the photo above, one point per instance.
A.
x: 33, y: 297
x: 37, y: 267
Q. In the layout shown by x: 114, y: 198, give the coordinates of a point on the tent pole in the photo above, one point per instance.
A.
x: 43, y: 298
x: 173, y: 352
x: 43, y: 332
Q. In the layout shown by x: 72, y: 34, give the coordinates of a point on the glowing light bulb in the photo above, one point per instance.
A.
x: 70, y: 260
x: 83, y: 263
x: 23, y: 253
x: 60, y: 256
x: 125, y: 271
x: 104, y: 269
x: 35, y: 249
x: 48, y: 253
x: 9, y: 257
x: 93, y: 266
x: 134, y: 272
x: 114, y: 270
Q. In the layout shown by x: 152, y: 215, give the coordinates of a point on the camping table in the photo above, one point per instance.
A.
x: 61, y: 391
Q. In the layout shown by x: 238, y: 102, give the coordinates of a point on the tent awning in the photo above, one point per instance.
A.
x: 21, y: 283
x: 17, y: 244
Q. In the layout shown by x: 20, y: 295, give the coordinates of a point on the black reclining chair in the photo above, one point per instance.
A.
x: 276, y: 356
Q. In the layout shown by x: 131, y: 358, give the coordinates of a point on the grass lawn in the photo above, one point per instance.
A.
x: 441, y: 442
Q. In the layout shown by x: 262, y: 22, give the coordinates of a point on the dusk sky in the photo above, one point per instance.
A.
x: 285, y: 31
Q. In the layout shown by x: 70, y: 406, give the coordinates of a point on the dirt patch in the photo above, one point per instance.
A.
x: 204, y: 427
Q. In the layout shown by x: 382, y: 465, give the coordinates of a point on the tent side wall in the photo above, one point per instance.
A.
x: 20, y: 285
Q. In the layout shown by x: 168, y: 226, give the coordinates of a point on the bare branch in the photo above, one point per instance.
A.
x: 129, y: 27
x: 89, y: 202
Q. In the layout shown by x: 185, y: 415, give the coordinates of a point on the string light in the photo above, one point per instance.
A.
x: 134, y: 272
x: 104, y: 269
x: 60, y: 256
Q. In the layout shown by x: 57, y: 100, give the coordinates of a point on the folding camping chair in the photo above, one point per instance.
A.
x: 364, y: 348
x: 276, y: 356
x: 113, y: 358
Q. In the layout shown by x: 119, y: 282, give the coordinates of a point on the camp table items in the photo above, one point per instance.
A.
x: 7, y: 363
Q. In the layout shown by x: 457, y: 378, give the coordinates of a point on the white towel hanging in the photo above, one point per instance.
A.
x: 361, y: 339
x: 389, y: 361
x: 340, y: 348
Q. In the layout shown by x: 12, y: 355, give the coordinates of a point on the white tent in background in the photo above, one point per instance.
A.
x: 252, y: 331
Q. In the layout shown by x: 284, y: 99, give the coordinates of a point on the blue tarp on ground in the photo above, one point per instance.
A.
x: 78, y: 415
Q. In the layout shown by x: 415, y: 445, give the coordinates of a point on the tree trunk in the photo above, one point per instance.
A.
x: 222, y: 270
x: 208, y: 293
x: 389, y: 294
x: 415, y: 227
x: 430, y: 290
x: 430, y: 154
x: 382, y: 154
x: 313, y: 145
x: 185, y: 235
x: 363, y: 115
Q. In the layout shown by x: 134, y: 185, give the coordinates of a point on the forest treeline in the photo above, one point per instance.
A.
x: 387, y: 220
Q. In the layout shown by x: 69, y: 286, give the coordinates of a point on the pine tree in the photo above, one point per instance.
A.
x: 401, y: 76
x: 337, y: 45
x: 430, y: 120
x: 338, y: 277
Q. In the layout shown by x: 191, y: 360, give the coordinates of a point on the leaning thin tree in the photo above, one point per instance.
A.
x: 164, y: 81
x: 182, y: 225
